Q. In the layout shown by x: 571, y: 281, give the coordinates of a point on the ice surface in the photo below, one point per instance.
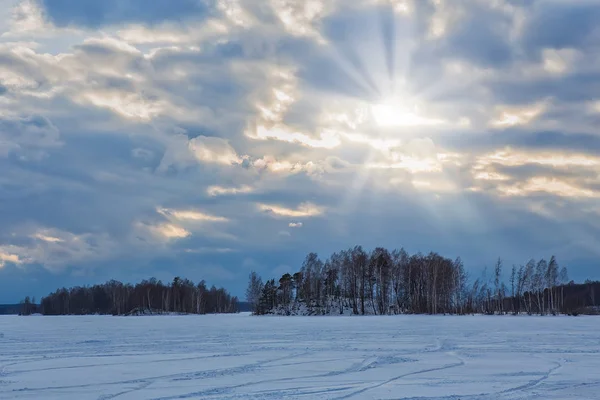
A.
x: 245, y: 357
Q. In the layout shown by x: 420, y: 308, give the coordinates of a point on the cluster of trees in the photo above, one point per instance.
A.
x: 116, y: 298
x: 11, y: 309
x: 28, y: 306
x: 384, y: 282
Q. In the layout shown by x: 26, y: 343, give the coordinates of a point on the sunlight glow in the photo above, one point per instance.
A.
x: 410, y: 164
x: 8, y: 257
x: 170, y: 231
x: 393, y: 113
x: 512, y: 116
x: 190, y: 215
x: 217, y: 190
x: 515, y: 157
x: 327, y: 139
x: 548, y: 185
x: 47, y: 238
x: 128, y: 105
x: 303, y: 210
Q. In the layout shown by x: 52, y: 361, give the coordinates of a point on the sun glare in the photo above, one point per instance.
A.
x: 393, y: 113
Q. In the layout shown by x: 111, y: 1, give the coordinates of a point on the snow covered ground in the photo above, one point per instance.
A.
x: 244, y: 357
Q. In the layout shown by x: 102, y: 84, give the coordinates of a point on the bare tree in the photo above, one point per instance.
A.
x: 497, y: 278
x: 254, y: 290
x: 551, y: 277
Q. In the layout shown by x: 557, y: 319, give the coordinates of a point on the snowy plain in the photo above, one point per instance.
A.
x: 246, y: 357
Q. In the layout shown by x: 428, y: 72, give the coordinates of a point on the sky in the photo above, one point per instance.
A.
x: 209, y: 138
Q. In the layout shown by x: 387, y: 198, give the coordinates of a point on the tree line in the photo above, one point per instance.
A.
x: 380, y: 282
x: 148, y: 296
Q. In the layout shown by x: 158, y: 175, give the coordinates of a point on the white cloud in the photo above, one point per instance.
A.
x: 221, y: 190
x: 410, y: 164
x: 169, y: 231
x: 46, y: 237
x: 190, y: 215
x: 507, y: 116
x: 236, y: 13
x: 515, y: 157
x: 6, y: 257
x: 381, y: 144
x: 184, y: 152
x: 549, y: 185
x: 28, y: 18
x: 299, y: 17
x: 327, y: 139
x: 277, y: 114
x: 55, y: 249
x: 213, y: 150
x: 271, y: 164
x: 173, y: 33
x: 393, y: 113
x: 282, y: 94
x: 128, y: 105
x: 558, y: 62
x: 303, y: 210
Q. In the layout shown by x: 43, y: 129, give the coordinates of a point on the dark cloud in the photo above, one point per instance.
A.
x: 562, y: 24
x: 98, y: 139
x: 481, y: 38
x: 525, y: 139
x: 574, y: 87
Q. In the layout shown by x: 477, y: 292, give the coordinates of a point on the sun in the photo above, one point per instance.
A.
x: 395, y: 113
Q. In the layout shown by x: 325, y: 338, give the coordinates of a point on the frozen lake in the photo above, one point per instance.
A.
x: 245, y: 357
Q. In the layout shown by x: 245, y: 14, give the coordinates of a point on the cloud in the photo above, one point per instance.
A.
x: 57, y: 249
x: 221, y: 191
x: 190, y: 215
x: 303, y: 210
x: 154, y: 137
x: 561, y: 24
x: 8, y: 258
x: 168, y: 231
x: 511, y: 116
x: 327, y: 139
x: 27, y: 134
x: 213, y: 150
x: 46, y: 238
x: 183, y: 152
x: 549, y: 185
x: 172, y: 33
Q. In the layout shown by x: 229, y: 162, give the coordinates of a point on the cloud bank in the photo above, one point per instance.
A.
x: 184, y: 138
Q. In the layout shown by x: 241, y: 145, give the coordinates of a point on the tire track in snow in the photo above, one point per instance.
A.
x: 144, y: 385
x: 495, y: 395
x: 172, y: 377
x: 396, y: 378
x: 533, y: 383
x: 112, y: 364
x: 356, y: 367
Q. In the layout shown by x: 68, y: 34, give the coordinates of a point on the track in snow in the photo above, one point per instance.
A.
x: 244, y: 357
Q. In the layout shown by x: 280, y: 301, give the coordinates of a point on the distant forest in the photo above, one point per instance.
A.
x: 147, y: 297
x: 350, y: 282
x: 380, y: 282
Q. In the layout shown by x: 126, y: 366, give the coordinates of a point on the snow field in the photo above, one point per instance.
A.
x: 245, y: 357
